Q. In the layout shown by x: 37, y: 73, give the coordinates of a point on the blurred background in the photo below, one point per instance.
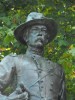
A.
x: 61, y: 50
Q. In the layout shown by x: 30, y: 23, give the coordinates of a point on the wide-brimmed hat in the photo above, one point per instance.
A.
x: 35, y: 18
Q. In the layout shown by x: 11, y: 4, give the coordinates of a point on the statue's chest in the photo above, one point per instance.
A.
x: 36, y: 76
x: 29, y: 71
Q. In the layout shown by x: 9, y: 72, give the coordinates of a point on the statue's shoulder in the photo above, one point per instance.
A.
x: 9, y: 57
x: 8, y: 61
x: 58, y: 66
x: 15, y: 58
x: 12, y: 55
x: 19, y: 56
x: 58, y: 69
x: 23, y: 57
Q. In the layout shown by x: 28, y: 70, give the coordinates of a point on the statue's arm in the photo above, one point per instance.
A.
x: 62, y: 93
x: 7, y: 69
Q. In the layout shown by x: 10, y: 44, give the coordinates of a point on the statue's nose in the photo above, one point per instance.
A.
x: 40, y: 33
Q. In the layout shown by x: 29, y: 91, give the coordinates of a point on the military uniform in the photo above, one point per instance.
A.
x: 41, y: 77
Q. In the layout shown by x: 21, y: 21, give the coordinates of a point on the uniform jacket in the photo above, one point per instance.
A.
x: 41, y: 77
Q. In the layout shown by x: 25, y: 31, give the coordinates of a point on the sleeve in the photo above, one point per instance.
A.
x: 7, y: 69
x: 62, y: 92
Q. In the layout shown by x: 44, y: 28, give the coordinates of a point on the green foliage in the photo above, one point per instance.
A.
x: 61, y: 50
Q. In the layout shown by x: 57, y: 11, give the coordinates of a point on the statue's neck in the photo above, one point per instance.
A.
x: 35, y: 51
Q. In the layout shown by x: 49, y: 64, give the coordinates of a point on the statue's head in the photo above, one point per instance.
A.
x: 37, y: 26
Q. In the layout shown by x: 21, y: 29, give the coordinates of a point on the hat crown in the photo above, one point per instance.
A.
x: 34, y: 15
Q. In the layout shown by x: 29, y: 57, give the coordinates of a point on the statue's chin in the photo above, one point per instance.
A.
x: 37, y: 45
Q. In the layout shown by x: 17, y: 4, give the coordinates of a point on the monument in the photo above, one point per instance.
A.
x: 36, y: 78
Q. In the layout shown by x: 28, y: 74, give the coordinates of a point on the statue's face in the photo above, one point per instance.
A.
x: 38, y: 36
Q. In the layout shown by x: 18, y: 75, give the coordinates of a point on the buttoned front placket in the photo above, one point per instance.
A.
x: 41, y: 78
x: 39, y: 71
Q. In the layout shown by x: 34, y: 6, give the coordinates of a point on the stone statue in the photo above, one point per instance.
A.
x: 36, y: 78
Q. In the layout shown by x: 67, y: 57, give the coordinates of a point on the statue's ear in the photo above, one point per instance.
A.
x: 25, y: 39
x: 25, y: 36
x: 47, y: 39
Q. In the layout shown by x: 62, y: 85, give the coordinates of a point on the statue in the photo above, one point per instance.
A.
x: 36, y: 78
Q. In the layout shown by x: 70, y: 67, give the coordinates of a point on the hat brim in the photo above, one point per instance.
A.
x: 49, y: 23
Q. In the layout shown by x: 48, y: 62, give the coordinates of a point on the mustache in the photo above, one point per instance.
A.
x: 40, y: 38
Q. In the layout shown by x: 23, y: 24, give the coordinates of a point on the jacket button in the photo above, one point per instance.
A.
x: 51, y: 89
x: 40, y: 71
x: 42, y: 87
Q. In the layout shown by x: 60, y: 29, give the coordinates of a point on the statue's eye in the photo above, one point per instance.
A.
x: 34, y: 29
x: 43, y: 29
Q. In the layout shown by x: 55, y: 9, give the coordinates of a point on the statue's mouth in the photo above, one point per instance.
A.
x: 40, y: 39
